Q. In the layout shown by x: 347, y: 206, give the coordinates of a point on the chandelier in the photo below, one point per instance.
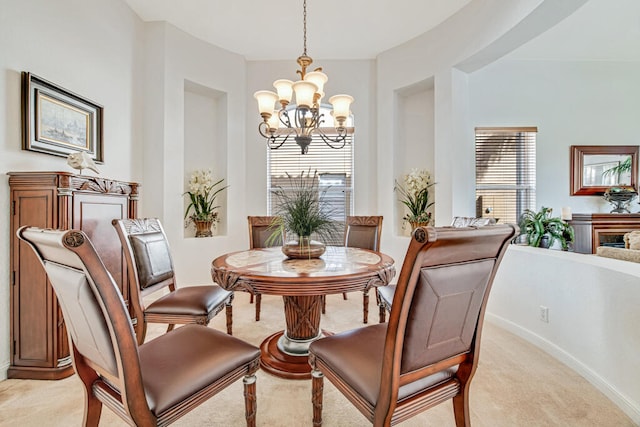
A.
x: 305, y: 119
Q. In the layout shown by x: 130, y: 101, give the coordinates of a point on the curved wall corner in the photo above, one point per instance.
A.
x: 593, y: 315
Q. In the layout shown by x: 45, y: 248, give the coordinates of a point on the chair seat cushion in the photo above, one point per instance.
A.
x: 386, y: 294
x: 190, y: 300
x: 184, y: 361
x: 356, y: 358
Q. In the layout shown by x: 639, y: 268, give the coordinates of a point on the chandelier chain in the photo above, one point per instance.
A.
x: 304, y: 26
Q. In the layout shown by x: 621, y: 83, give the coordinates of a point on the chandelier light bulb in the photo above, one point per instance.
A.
x: 284, y: 88
x: 341, y: 105
x: 273, y: 123
x: 266, y: 102
x: 318, y: 78
x: 304, y: 93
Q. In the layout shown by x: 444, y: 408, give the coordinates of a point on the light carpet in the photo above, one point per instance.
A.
x: 516, y: 384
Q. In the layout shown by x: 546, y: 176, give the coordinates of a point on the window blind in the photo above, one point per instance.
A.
x: 334, y: 169
x: 505, y: 172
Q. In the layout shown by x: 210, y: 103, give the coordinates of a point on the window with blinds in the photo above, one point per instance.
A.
x: 505, y: 172
x: 334, y: 171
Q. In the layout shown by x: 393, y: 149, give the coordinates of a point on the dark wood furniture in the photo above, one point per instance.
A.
x: 428, y: 352
x: 59, y: 200
x: 152, y: 384
x: 600, y: 229
x: 363, y: 232
x: 150, y: 268
x: 302, y: 283
x: 259, y: 233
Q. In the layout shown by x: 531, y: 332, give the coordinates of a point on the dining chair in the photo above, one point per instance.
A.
x: 362, y: 232
x: 150, y: 269
x: 384, y: 295
x: 146, y: 385
x: 428, y: 351
x: 259, y: 234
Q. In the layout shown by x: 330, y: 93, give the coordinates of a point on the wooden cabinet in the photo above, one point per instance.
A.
x: 593, y: 230
x: 39, y: 345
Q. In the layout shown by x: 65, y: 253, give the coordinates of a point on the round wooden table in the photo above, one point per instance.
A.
x: 301, y: 283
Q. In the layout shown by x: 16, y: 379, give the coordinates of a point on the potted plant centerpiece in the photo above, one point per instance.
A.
x: 202, y: 196
x: 414, y: 194
x: 301, y: 210
x: 542, y: 230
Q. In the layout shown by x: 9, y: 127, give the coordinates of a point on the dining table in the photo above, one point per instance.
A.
x: 302, y: 283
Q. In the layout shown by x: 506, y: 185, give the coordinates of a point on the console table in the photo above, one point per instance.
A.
x: 59, y: 200
x: 600, y: 229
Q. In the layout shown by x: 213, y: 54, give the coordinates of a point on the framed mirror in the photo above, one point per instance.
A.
x: 594, y: 168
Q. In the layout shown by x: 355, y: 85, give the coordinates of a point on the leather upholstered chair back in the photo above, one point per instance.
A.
x: 363, y: 232
x: 147, y: 385
x: 151, y: 258
x: 427, y: 353
x: 259, y: 237
x: 259, y: 232
x: 150, y: 269
x: 86, y: 312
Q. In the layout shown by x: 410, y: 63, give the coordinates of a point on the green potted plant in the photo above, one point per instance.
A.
x: 414, y: 194
x: 542, y: 230
x: 301, y: 211
x: 202, y: 196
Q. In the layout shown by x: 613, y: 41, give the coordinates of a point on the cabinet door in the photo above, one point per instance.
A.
x: 93, y: 213
x: 35, y: 315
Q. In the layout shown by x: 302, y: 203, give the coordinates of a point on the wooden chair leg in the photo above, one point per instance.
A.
x: 258, y: 306
x: 140, y: 328
x: 93, y: 407
x: 250, y: 403
x: 382, y: 311
x: 229, y: 312
x: 324, y: 304
x: 170, y: 327
x: 344, y: 295
x: 461, y: 410
x: 251, y: 298
x: 317, y: 385
x: 365, y: 307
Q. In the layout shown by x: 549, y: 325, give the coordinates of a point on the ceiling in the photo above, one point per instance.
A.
x: 272, y: 30
x: 361, y: 29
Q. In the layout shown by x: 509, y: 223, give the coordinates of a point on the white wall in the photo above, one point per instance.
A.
x: 593, y: 314
x: 571, y: 103
x: 90, y: 48
x: 470, y: 44
x: 177, y: 58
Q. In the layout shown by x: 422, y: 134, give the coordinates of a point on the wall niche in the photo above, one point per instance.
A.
x: 205, y: 143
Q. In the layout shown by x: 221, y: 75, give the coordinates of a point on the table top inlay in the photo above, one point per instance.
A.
x: 272, y: 262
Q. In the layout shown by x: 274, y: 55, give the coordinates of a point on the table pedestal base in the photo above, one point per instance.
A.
x: 280, y: 364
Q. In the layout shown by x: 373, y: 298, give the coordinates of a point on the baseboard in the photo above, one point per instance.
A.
x: 3, y: 371
x: 630, y: 408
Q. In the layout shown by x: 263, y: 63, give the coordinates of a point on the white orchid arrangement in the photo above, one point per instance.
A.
x: 414, y: 194
x: 202, y: 195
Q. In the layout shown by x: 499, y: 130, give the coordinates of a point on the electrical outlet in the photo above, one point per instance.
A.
x: 544, y: 314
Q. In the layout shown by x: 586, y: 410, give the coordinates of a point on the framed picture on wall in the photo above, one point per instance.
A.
x: 59, y: 122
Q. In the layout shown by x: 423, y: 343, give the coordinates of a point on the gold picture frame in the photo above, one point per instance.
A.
x: 59, y: 122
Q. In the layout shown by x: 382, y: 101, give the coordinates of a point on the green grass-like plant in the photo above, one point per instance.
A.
x: 301, y: 210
